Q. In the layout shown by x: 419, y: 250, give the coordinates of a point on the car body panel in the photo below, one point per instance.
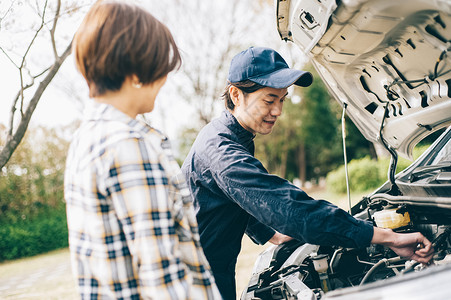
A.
x: 432, y: 283
x: 379, y: 58
x: 387, y: 62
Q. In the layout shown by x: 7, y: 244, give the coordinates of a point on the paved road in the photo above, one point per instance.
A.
x: 49, y: 276
x: 43, y: 277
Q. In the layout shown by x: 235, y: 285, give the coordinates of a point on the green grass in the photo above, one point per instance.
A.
x: 341, y: 200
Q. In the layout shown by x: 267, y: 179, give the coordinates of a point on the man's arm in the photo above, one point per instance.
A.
x: 289, y: 210
x: 409, y: 245
x: 284, y: 207
x: 259, y: 233
x: 279, y: 238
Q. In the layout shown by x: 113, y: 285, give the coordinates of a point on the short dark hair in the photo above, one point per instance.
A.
x: 245, y: 86
x: 118, y: 39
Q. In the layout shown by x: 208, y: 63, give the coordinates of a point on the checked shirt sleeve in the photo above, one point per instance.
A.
x: 138, y: 187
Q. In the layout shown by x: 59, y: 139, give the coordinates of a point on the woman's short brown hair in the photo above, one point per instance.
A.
x: 118, y: 39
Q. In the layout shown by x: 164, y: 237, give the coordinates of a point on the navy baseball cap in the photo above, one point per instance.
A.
x: 266, y: 67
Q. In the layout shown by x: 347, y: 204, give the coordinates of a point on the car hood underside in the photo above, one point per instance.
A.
x: 385, y: 61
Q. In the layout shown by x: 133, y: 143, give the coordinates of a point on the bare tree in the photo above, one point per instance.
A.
x: 34, y: 77
x: 209, y: 34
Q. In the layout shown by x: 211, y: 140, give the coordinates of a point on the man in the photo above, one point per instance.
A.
x: 235, y: 194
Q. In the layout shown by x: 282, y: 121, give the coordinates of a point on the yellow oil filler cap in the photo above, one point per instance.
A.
x: 389, y: 218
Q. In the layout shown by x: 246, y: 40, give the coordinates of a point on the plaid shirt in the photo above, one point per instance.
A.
x: 132, y: 228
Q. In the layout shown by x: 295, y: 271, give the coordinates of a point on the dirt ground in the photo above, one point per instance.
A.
x: 49, y: 276
x: 46, y: 276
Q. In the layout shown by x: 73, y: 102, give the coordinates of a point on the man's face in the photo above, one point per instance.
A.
x: 257, y: 112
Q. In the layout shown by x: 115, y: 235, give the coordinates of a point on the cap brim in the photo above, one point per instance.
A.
x: 284, y: 78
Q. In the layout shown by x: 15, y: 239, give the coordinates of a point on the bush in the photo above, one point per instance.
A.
x: 363, y: 175
x: 366, y: 174
x: 43, y: 233
x: 32, y: 209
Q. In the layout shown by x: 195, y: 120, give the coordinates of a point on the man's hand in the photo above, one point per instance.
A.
x: 279, y: 238
x: 408, y: 245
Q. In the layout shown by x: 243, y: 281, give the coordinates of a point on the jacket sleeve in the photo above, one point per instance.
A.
x: 259, y: 233
x: 282, y: 206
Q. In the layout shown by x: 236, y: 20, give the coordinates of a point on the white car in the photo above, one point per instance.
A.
x: 388, y: 63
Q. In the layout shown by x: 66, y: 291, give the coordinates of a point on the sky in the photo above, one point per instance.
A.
x: 60, y: 104
x: 53, y: 109
x: 57, y: 108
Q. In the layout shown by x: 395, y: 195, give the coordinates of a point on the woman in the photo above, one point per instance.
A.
x: 132, y: 228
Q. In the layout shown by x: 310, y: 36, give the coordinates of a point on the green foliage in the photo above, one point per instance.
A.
x: 366, y: 173
x: 32, y: 181
x: 186, y: 140
x: 278, y: 147
x: 320, y: 130
x: 45, y: 232
x: 32, y: 207
x: 356, y: 144
x: 306, y: 141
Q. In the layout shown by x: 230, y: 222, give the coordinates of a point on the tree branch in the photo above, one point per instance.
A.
x: 25, y: 56
x: 9, y: 58
x: 13, y: 140
x: 52, y: 31
x: 6, y: 13
x: 16, y: 98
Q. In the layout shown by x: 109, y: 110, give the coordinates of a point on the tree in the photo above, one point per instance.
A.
x: 32, y: 182
x: 209, y: 34
x: 32, y: 209
x: 302, y: 144
x: 276, y: 149
x: 306, y: 141
x: 27, y: 49
x: 320, y: 131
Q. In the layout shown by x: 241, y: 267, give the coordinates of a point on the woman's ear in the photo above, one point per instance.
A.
x: 135, y: 82
x: 235, y: 94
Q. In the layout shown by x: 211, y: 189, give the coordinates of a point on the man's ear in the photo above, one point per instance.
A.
x: 235, y: 94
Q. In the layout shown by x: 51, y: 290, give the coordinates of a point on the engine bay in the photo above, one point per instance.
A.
x: 387, y: 63
x: 296, y: 270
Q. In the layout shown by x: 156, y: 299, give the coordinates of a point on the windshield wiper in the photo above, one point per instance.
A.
x: 445, y: 165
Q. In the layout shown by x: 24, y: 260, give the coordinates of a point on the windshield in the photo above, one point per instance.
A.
x: 444, y: 154
x: 438, y: 161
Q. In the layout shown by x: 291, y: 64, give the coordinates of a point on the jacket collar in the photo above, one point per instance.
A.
x: 242, y: 136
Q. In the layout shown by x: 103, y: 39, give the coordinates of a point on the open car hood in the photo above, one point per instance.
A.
x: 387, y: 61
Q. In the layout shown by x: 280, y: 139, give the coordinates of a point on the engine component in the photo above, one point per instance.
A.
x: 389, y: 218
x: 321, y: 266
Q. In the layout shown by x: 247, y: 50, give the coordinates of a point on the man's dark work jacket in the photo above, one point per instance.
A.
x: 233, y: 194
